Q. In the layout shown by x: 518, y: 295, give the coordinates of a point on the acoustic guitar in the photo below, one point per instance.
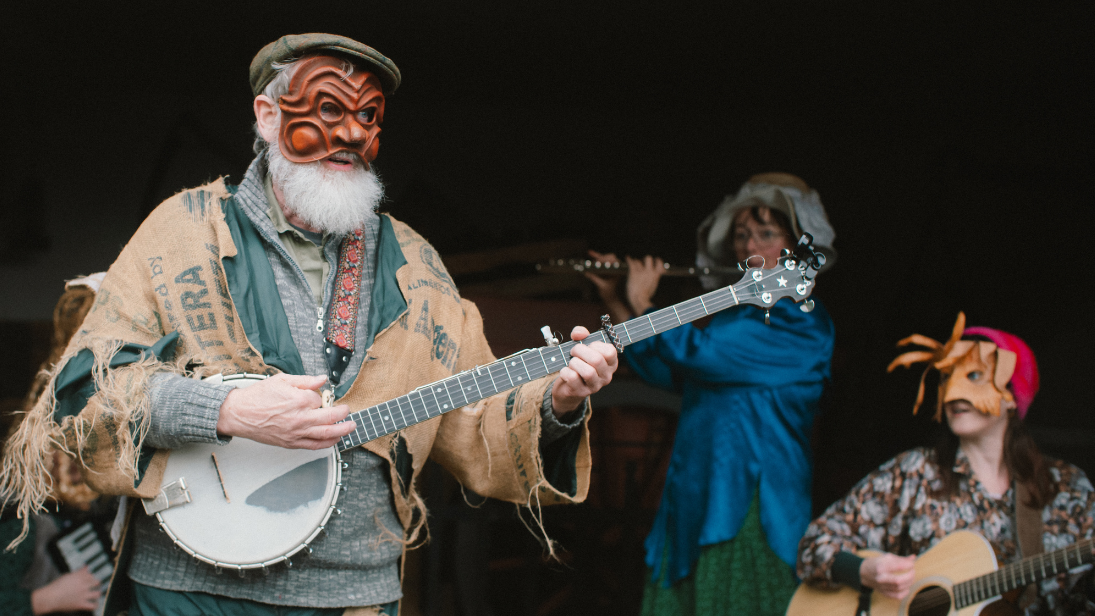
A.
x: 249, y: 506
x: 958, y: 575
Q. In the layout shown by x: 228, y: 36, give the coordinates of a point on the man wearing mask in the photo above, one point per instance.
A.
x: 294, y: 275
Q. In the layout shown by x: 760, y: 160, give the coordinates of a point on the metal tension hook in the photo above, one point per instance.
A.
x: 610, y: 331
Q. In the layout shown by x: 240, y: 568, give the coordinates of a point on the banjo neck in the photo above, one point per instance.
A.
x: 792, y: 277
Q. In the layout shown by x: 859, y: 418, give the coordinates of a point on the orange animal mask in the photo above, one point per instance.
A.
x: 330, y: 107
x: 976, y: 371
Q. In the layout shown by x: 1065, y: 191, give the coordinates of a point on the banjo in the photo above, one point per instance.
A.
x: 248, y: 506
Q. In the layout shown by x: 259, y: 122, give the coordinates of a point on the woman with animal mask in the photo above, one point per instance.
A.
x: 984, y: 475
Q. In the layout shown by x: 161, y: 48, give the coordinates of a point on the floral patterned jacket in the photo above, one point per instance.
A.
x: 896, y: 509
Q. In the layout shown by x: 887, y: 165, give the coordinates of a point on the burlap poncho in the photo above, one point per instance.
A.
x: 171, y: 279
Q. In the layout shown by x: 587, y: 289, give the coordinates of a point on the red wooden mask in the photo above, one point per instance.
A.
x: 330, y: 107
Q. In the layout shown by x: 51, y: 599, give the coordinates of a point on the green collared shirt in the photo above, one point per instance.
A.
x: 304, y: 250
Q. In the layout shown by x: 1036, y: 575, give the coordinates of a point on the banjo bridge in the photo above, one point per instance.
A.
x: 220, y: 477
x: 171, y: 495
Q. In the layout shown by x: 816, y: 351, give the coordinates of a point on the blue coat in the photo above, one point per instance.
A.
x: 750, y: 394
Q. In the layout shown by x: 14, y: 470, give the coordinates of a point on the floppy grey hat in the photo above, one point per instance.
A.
x: 780, y: 191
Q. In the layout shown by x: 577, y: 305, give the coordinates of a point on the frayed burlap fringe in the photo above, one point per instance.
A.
x: 486, y: 446
x: 536, y: 511
x: 533, y: 504
x: 413, y: 537
x: 25, y: 479
x: 419, y: 532
x: 490, y: 464
x: 122, y: 398
x: 537, y: 514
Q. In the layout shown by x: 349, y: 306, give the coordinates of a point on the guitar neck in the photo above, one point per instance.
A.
x: 470, y: 386
x: 1027, y: 571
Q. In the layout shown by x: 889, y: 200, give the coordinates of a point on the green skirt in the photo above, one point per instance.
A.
x: 739, y: 576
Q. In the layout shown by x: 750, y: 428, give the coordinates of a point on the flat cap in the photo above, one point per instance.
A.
x: 293, y: 46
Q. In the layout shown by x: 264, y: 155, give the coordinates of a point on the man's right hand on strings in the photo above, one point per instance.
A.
x: 284, y: 410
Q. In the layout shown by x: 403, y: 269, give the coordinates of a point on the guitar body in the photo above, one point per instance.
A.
x: 960, y: 556
x: 248, y: 505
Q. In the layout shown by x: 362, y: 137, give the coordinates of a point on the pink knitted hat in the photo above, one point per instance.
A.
x: 1024, y: 381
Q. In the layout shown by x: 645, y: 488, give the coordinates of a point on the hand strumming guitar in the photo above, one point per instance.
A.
x: 889, y: 574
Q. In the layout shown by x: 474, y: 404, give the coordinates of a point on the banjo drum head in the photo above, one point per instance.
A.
x: 251, y: 505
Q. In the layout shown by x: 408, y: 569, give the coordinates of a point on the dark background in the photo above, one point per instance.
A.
x: 950, y: 144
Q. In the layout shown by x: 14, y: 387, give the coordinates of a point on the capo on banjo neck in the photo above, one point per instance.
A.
x: 610, y: 331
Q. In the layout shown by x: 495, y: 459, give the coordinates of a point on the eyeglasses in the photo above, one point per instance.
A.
x: 762, y: 237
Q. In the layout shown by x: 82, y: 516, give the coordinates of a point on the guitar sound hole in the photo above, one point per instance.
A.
x: 931, y: 601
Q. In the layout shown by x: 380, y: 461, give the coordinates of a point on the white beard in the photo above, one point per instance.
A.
x: 336, y: 202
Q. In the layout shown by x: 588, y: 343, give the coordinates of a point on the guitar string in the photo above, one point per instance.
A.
x: 1058, y: 560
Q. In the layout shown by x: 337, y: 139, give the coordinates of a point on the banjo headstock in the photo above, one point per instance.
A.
x: 793, y: 276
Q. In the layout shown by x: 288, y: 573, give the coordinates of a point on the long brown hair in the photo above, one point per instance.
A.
x: 1025, y: 463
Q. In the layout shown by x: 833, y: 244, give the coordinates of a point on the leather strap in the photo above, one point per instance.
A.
x: 1029, y: 529
x: 1028, y: 521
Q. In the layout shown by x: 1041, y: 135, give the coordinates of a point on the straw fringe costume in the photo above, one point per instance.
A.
x: 191, y: 294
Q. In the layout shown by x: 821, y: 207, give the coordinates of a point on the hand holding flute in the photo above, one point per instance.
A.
x: 643, y: 276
